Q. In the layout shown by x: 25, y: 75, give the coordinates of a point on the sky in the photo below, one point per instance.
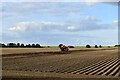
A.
x: 52, y: 23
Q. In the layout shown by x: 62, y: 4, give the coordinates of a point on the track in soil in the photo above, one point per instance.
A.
x: 108, y: 67
x: 68, y: 64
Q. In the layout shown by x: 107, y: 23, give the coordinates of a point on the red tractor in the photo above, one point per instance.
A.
x: 63, y: 47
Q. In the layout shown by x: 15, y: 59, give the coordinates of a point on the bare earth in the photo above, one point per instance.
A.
x: 51, y: 64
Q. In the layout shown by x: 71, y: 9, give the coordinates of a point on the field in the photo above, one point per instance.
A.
x: 51, y: 64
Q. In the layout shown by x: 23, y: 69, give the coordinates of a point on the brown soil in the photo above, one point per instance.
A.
x: 99, y: 64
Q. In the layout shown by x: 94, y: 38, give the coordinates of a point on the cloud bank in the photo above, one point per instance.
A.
x: 89, y: 23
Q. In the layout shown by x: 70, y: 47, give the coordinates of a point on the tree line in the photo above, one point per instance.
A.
x: 96, y: 46
x: 20, y: 45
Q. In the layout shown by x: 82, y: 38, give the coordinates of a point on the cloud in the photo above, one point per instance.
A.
x: 41, y: 26
x: 22, y: 26
x: 91, y: 19
x: 115, y: 23
x: 71, y: 27
x: 87, y: 24
x: 29, y: 8
x: 93, y: 2
x: 11, y: 9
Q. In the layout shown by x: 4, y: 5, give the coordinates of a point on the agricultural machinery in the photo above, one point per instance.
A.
x: 63, y: 48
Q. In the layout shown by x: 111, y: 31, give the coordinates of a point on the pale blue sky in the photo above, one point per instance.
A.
x: 54, y: 23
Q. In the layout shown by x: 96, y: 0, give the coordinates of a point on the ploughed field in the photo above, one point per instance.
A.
x: 83, y: 63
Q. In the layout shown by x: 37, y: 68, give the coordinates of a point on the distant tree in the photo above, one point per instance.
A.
x: 108, y: 46
x: 11, y: 45
x: 28, y: 45
x: 37, y: 45
x: 33, y: 45
x: 3, y: 45
x: 100, y: 46
x: 18, y: 44
x: 0, y: 44
x: 88, y: 46
x: 117, y: 46
x: 96, y: 46
x: 48, y: 46
x: 22, y: 45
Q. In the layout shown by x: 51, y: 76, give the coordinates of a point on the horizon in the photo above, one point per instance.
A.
x: 58, y: 44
